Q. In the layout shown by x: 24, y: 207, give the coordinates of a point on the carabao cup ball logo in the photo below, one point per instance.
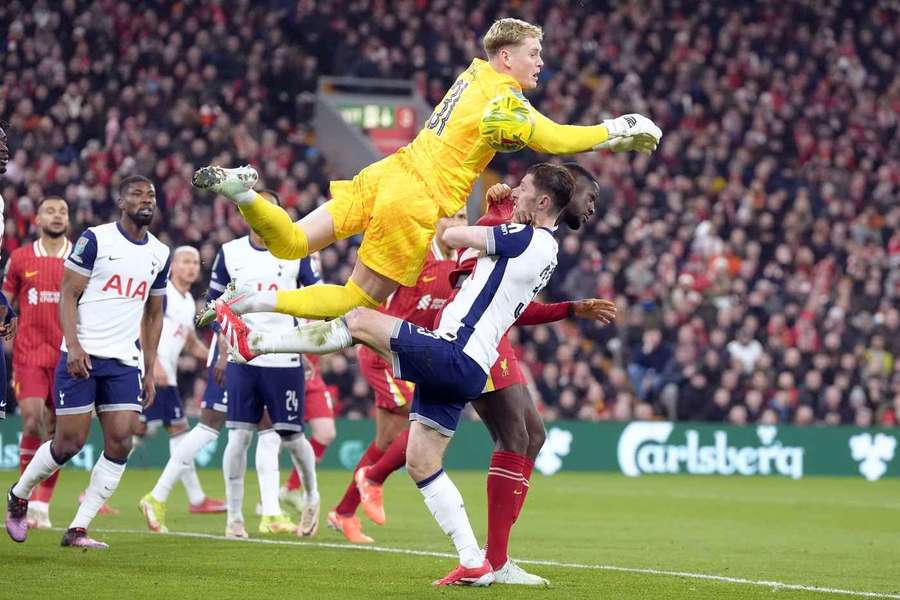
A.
x: 507, y: 123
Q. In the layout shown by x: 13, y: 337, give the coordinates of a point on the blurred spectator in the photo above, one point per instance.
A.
x: 755, y: 257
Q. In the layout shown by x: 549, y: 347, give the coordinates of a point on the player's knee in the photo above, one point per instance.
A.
x: 536, y: 438
x: 68, y: 444
x: 358, y: 320
x: 421, y: 467
x: 118, y: 448
x: 212, y: 418
x: 31, y: 423
x: 323, y: 431
x: 514, y: 438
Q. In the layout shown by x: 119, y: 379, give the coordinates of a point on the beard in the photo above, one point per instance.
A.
x: 52, y: 233
x: 141, y: 220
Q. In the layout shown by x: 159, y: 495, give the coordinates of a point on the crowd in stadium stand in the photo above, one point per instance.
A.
x: 755, y: 257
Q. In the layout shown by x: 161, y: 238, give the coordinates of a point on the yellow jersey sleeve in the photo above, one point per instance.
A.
x: 449, y: 151
x: 552, y: 138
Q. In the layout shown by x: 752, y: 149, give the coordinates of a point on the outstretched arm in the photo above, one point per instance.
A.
x: 594, y: 309
x: 622, y: 134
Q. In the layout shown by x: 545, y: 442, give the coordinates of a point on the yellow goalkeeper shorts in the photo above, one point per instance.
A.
x: 390, y: 205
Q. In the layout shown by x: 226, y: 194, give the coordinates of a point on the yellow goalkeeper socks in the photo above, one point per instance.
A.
x: 283, y: 237
x: 322, y: 301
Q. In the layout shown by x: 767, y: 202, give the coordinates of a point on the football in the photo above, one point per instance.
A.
x: 507, y: 123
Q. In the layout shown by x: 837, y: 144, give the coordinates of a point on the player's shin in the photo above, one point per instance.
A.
x: 315, y: 338
x: 234, y: 465
x: 350, y: 500
x: 284, y: 238
x: 268, y: 444
x: 189, y: 473
x: 181, y: 457
x: 42, y: 466
x: 446, y: 504
x: 28, y: 445
x: 323, y: 301
x: 504, y: 486
x: 105, y: 479
x: 304, y: 458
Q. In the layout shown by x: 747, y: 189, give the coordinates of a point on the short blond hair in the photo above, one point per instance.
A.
x: 509, y: 32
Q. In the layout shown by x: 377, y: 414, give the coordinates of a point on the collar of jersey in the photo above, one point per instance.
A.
x: 255, y: 247
x: 127, y: 237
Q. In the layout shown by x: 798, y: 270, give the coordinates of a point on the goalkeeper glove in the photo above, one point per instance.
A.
x: 632, y: 132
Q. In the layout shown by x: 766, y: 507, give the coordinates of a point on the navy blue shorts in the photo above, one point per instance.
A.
x: 214, y: 396
x: 446, y: 377
x: 166, y: 408
x: 111, y: 386
x: 278, y: 389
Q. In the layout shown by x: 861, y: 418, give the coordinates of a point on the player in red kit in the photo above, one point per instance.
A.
x: 419, y: 305
x: 32, y: 281
x: 506, y: 407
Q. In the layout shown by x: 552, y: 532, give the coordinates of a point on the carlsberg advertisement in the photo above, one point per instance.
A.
x: 637, y: 449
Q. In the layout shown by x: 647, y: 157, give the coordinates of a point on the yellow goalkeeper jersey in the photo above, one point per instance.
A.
x: 450, y: 154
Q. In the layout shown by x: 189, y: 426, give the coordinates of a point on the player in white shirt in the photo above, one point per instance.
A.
x: 266, y: 395
x: 111, y: 314
x: 178, y: 334
x: 451, y: 363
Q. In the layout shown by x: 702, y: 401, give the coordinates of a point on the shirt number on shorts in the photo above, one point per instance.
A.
x: 291, y: 401
x: 440, y: 117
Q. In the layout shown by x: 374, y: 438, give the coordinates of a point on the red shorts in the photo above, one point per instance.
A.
x: 505, y: 372
x: 34, y: 382
x: 318, y: 401
x: 391, y: 394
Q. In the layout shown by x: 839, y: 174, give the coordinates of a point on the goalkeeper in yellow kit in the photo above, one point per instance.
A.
x: 396, y: 202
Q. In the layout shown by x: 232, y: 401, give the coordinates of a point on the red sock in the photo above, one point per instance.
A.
x: 293, y: 482
x: 318, y: 447
x: 527, y: 468
x: 27, y: 447
x: 504, y: 485
x: 44, y: 492
x: 394, y: 458
x: 350, y: 501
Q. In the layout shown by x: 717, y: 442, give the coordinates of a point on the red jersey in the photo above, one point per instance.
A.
x: 420, y: 303
x: 314, y: 383
x: 33, y: 279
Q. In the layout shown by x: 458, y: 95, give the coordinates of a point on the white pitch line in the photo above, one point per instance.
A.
x: 775, y: 585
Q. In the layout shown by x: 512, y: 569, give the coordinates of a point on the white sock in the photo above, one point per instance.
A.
x: 245, y: 197
x: 254, y: 302
x: 189, y: 473
x: 234, y: 465
x: 268, y: 444
x: 104, y: 480
x: 446, y: 504
x: 41, y: 467
x: 315, y: 338
x: 183, y: 456
x: 304, y: 458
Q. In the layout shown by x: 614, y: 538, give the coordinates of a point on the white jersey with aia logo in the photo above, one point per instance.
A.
x: 178, y: 320
x: 123, y: 273
x: 242, y: 262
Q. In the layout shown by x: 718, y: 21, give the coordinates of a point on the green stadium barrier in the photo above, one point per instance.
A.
x: 634, y: 449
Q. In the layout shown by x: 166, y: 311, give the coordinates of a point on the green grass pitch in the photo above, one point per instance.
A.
x: 603, y: 536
